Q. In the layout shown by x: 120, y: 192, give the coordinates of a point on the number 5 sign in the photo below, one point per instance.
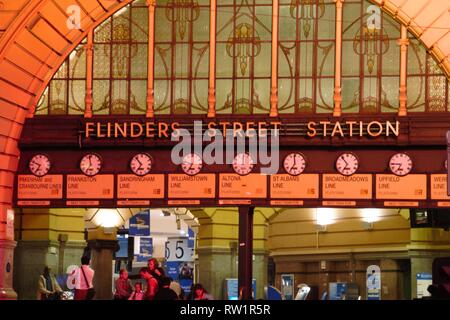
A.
x: 177, y: 249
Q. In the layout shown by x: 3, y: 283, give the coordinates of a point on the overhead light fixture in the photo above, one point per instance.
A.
x: 371, y: 215
x: 321, y: 228
x: 108, y: 218
x: 324, y: 217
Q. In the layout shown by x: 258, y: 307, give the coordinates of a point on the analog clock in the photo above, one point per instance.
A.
x: 400, y: 164
x: 141, y: 164
x: 294, y: 164
x: 243, y: 164
x: 347, y: 164
x: 192, y: 164
x: 39, y: 165
x: 91, y: 164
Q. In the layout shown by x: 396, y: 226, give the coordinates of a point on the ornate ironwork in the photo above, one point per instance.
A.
x: 309, y: 10
x: 367, y: 42
x: 243, y: 44
x: 182, y: 12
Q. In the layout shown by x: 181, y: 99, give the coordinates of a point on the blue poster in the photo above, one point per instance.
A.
x: 181, y: 272
x: 123, y: 246
x: 232, y: 292
x: 186, y: 285
x: 191, y: 238
x: 172, y: 269
x: 337, y: 290
x: 140, y: 224
x: 145, y: 249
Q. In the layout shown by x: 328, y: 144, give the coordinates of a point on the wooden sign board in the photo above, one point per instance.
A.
x: 410, y: 187
x: 32, y: 187
x: 438, y: 185
x: 285, y: 186
x: 130, y: 186
x: 336, y: 186
x: 192, y: 187
x: 238, y: 187
x: 83, y: 187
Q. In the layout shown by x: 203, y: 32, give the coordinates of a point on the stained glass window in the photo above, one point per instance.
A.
x: 306, y: 55
x: 181, y: 56
x: 243, y: 56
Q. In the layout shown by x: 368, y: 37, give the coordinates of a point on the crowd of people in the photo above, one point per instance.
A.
x: 155, y: 285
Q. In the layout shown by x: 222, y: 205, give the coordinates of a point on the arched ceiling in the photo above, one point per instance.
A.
x: 428, y: 20
x: 35, y: 40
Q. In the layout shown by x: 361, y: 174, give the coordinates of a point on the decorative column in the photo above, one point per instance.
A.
x: 403, y: 42
x: 212, y: 60
x: 103, y: 245
x: 6, y: 272
x: 89, y: 74
x: 245, y: 276
x: 151, y: 59
x: 338, y: 61
x: 274, y: 82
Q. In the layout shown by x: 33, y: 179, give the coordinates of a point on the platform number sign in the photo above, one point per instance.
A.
x: 177, y: 249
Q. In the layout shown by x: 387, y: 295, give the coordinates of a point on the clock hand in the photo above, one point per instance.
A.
x: 346, y: 163
x: 399, y: 165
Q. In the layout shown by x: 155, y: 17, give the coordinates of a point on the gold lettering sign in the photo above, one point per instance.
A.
x: 32, y: 187
x: 164, y: 130
x: 130, y: 186
x: 236, y: 186
x: 285, y: 186
x: 438, y: 185
x: 357, y: 186
x: 410, y: 187
x: 198, y: 186
x: 82, y: 187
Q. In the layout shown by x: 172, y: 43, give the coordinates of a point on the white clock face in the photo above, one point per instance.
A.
x: 39, y: 165
x: 294, y: 164
x: 141, y: 164
x: 192, y: 164
x: 243, y: 164
x: 347, y: 164
x: 91, y: 164
x: 400, y: 164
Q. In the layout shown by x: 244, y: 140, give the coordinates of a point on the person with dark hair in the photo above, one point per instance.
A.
x: 48, y: 287
x: 123, y: 286
x: 155, y: 270
x: 164, y: 292
x: 198, y: 292
x: 152, y: 284
x: 82, y: 278
x: 138, y: 294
